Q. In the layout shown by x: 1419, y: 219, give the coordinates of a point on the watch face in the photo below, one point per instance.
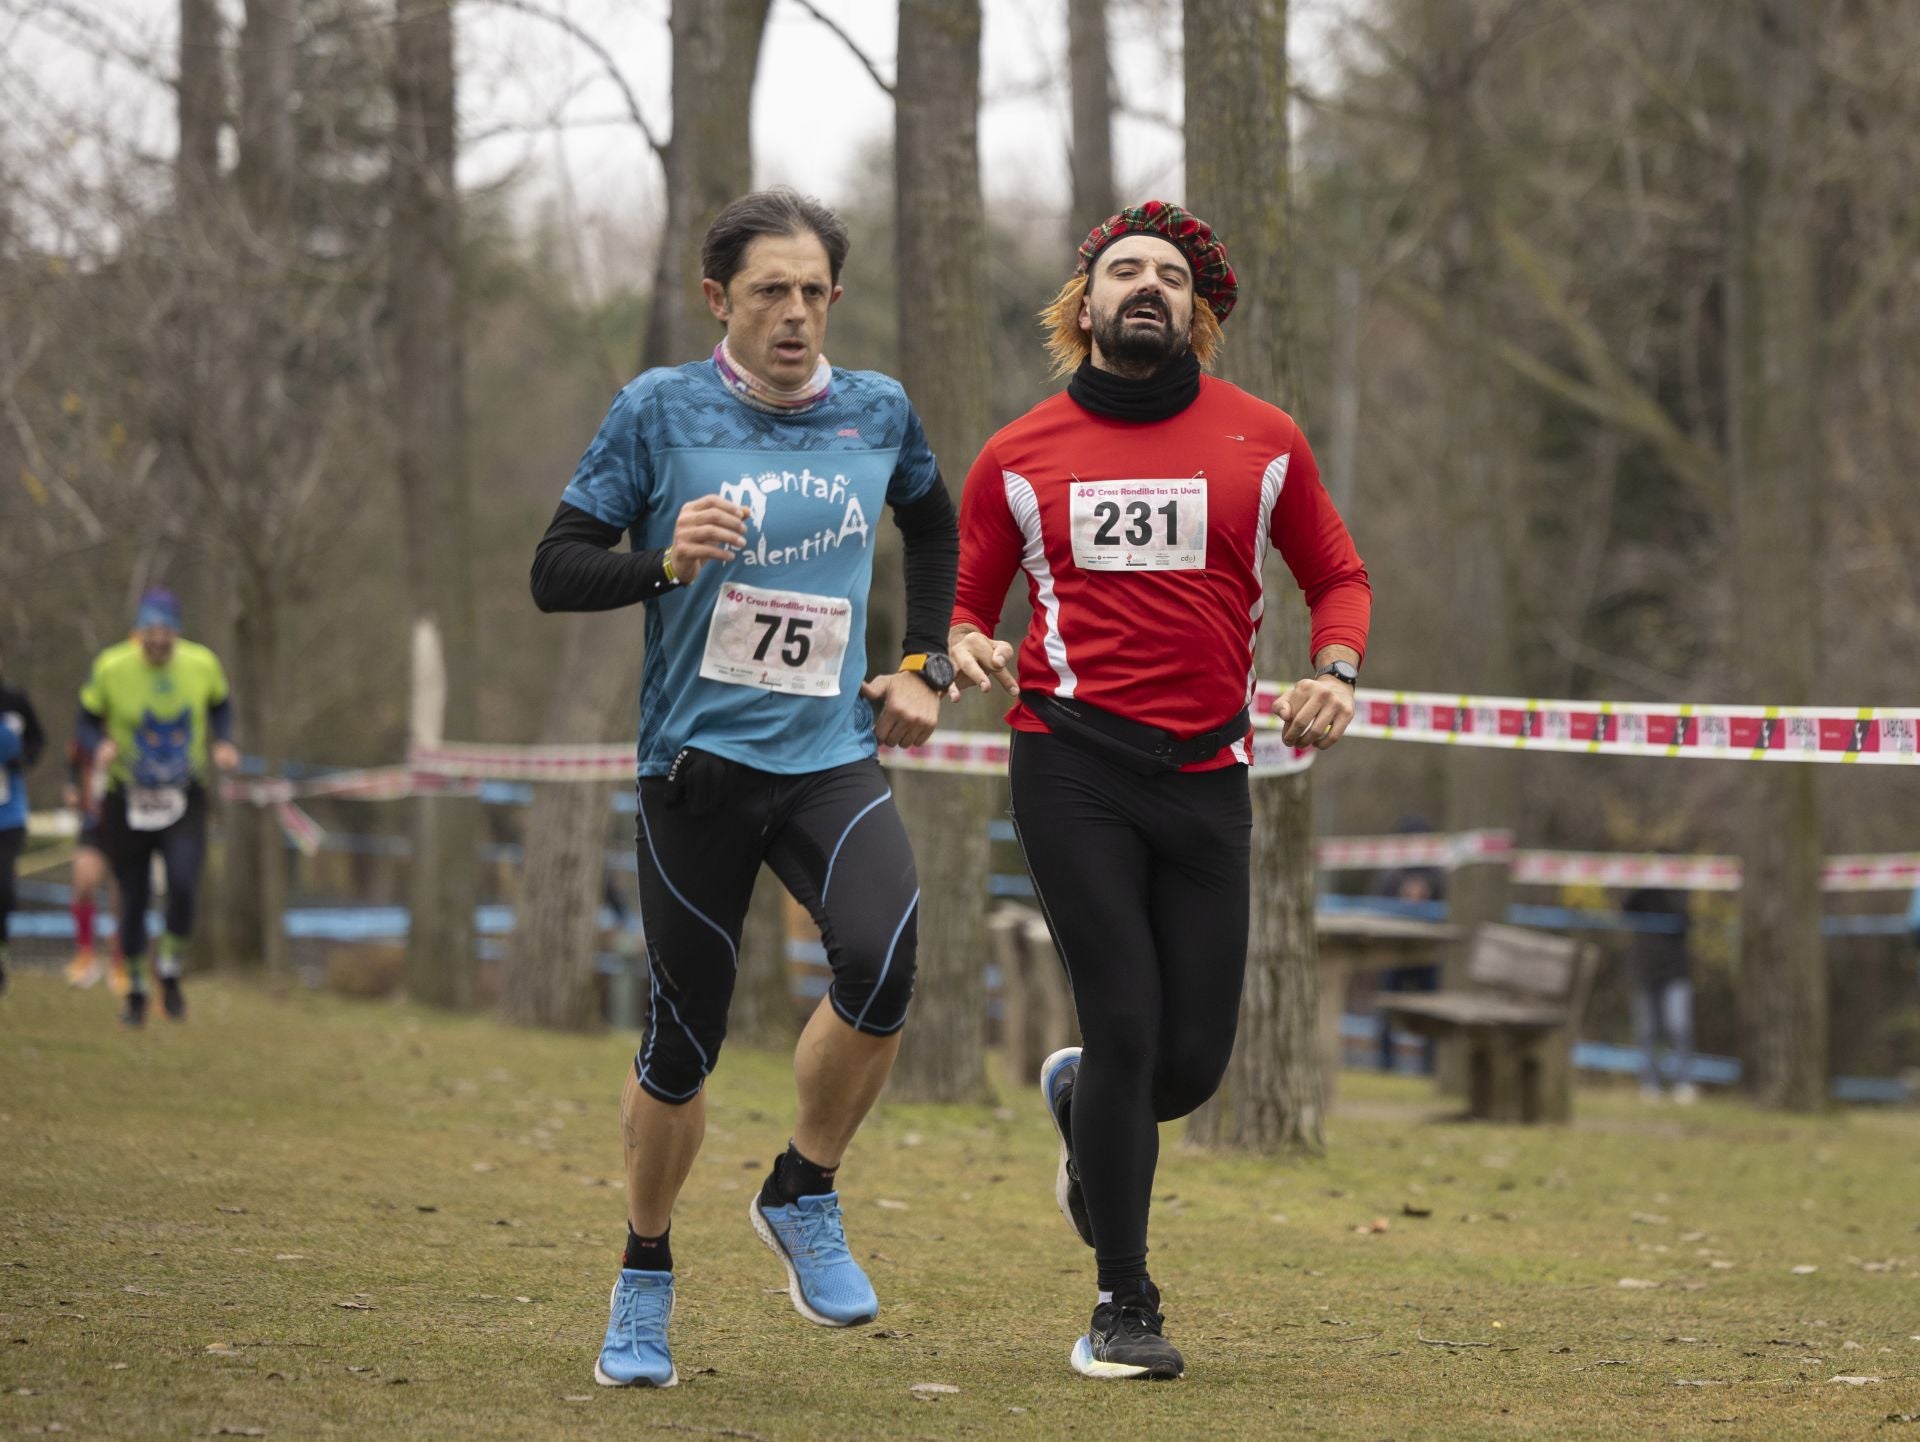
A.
x: 1344, y: 670
x: 938, y: 671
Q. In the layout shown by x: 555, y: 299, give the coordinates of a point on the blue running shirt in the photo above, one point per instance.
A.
x: 760, y: 660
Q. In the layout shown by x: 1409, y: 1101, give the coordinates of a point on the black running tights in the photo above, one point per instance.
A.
x: 1144, y: 881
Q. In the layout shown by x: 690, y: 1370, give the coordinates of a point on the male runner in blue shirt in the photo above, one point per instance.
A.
x: 750, y: 484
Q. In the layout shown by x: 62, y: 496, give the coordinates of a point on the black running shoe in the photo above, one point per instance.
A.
x: 173, y: 1001
x: 1057, y: 1076
x: 1124, y: 1341
x: 136, y: 1009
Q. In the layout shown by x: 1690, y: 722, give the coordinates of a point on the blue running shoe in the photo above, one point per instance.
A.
x: 826, y: 1284
x: 635, y: 1353
x: 1057, y: 1076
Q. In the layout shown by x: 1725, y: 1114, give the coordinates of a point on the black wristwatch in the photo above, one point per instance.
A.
x: 933, y: 667
x: 1340, y: 671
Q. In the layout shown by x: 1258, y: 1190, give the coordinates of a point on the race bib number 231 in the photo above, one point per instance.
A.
x: 1140, y: 525
x: 778, y: 640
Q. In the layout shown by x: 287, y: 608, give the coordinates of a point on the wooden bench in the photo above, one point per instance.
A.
x: 1526, y: 991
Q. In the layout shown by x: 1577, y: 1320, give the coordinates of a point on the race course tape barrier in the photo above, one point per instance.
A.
x: 1885, y: 871
x: 1870, y: 735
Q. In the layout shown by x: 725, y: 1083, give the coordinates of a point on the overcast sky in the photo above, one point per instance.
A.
x: 816, y: 110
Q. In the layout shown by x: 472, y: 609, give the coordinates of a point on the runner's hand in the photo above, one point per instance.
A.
x: 707, y: 529
x: 909, y: 708
x: 1316, y: 712
x: 226, y: 755
x: 980, y: 660
x: 104, y: 753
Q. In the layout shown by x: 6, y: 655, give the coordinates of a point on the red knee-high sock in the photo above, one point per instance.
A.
x: 83, y: 921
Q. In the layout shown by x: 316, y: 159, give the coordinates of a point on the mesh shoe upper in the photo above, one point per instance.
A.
x: 811, y: 1238
x: 635, y: 1351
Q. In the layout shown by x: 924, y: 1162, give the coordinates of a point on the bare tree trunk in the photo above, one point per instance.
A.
x: 256, y: 848
x: 944, y: 364
x: 202, y: 104
x: 429, y: 398
x: 1775, y: 421
x: 266, y: 171
x: 1274, y: 1094
x: 254, y: 876
x: 709, y: 162
x: 549, y: 977
x: 1478, y: 652
x: 1090, y: 76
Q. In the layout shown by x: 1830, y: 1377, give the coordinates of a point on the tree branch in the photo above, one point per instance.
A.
x: 600, y: 52
x: 1875, y: 280
x: 848, y: 41
x: 1688, y: 460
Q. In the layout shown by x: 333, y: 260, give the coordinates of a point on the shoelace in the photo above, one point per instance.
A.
x: 1135, y: 1322
x: 823, y: 1236
x: 639, y: 1308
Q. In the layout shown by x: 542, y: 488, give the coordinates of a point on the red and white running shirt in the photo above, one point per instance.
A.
x: 1142, y: 543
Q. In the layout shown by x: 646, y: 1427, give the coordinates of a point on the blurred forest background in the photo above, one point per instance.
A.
x: 1603, y: 317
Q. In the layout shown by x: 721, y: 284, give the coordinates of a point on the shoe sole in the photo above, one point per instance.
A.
x: 763, y: 1229
x: 673, y: 1372
x: 1062, y: 1182
x: 1086, y: 1365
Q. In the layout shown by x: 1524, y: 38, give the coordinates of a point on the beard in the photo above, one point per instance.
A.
x: 1134, y: 348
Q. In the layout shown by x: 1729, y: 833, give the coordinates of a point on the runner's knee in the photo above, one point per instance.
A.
x: 873, y: 971
x: 1188, y: 1073
x: 686, y: 1025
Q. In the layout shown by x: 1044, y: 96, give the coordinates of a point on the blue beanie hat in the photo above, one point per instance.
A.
x: 157, y: 608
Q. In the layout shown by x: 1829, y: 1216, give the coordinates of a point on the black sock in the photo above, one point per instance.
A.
x: 1124, y: 1279
x: 794, y: 1177
x: 648, y: 1254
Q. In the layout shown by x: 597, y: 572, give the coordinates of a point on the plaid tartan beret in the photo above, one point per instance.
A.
x: 1213, y: 278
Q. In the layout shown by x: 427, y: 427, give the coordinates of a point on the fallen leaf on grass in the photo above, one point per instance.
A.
x: 238, y: 1432
x: 1649, y: 1219
x: 1803, y: 1270
x: 928, y: 1389
x: 1636, y: 1284
x: 1903, y: 1417
x: 1372, y: 1228
x: 232, y: 1211
x: 290, y: 1257
x: 1855, y: 1381
x: 888, y: 1334
x: 888, y: 1204
x: 1408, y: 1209
x: 576, y: 1397
x: 222, y: 1349
x: 1697, y: 1382
x: 483, y: 1166
x: 1720, y: 1266
x: 354, y: 1306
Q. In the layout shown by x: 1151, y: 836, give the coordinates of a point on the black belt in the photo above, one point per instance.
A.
x: 1146, y: 749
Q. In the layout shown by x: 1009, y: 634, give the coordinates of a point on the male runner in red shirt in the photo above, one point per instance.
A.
x: 1141, y: 504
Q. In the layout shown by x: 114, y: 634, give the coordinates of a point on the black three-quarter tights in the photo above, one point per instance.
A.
x: 1144, y: 880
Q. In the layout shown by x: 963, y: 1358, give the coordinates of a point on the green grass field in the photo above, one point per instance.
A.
x: 317, y: 1218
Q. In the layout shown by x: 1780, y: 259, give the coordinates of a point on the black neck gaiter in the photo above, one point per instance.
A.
x: 1166, y: 392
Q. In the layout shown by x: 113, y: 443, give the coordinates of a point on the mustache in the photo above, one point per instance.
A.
x: 1146, y: 298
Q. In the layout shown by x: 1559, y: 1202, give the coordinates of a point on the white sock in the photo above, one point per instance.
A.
x: 1104, y: 1297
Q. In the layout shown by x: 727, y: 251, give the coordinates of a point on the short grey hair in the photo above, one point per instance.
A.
x: 779, y: 211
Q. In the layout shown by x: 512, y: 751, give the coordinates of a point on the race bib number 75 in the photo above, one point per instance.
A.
x: 1139, y: 525
x: 778, y: 640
